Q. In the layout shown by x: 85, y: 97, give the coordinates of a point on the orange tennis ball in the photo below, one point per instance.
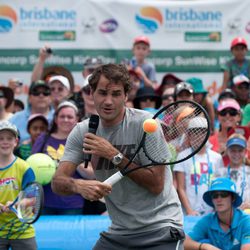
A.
x: 150, y: 125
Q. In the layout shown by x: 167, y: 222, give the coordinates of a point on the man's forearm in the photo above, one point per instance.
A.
x: 63, y: 185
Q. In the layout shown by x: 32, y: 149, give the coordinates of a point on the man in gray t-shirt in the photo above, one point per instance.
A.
x: 143, y: 206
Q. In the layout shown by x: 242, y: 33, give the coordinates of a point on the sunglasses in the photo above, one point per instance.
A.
x: 216, y: 195
x: 231, y: 112
x: 166, y: 97
x: 144, y: 99
x: 37, y: 93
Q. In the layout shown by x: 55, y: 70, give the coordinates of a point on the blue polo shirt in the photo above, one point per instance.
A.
x: 207, y: 229
x: 20, y: 119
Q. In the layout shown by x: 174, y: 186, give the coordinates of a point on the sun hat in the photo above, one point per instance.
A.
x: 197, y: 85
x: 238, y: 41
x: 34, y: 117
x: 228, y: 103
x: 7, y: 93
x: 236, y: 142
x: 239, y: 79
x: 146, y: 92
x: 222, y: 184
x: 62, y: 79
x: 142, y: 39
x: 6, y: 125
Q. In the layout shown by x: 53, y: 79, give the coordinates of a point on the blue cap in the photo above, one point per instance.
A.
x: 222, y: 184
x: 236, y: 142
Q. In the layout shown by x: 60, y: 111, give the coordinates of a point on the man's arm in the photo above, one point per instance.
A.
x: 190, y: 244
x: 152, y: 179
x: 63, y: 183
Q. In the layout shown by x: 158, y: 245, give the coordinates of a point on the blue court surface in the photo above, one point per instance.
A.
x: 77, y: 232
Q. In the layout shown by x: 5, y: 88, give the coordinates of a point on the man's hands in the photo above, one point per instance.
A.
x: 93, y: 144
x: 92, y: 190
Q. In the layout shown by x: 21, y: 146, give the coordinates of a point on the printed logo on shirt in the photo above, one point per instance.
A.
x: 200, y: 174
x: 10, y: 182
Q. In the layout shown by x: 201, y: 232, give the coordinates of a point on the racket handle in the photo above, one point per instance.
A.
x: 114, y: 178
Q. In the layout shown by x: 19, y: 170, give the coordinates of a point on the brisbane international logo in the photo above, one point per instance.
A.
x: 8, y: 18
x: 149, y: 19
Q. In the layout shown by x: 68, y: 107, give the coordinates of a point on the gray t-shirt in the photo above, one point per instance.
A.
x: 132, y: 208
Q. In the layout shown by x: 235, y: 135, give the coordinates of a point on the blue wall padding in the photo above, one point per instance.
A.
x: 76, y: 232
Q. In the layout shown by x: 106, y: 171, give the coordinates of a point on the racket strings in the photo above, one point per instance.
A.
x: 184, y: 128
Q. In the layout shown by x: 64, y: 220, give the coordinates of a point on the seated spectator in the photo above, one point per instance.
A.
x: 6, y: 100
x: 52, y: 144
x: 37, y: 124
x: 39, y: 102
x: 229, y: 116
x: 183, y: 92
x: 226, y: 228
x: 60, y: 89
x: 201, y: 96
x: 238, y: 65
x: 146, y: 99
x: 241, y: 88
x: 194, y: 176
x: 236, y: 170
x: 167, y: 96
x: 168, y: 81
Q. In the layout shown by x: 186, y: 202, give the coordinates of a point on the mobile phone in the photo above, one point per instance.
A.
x: 49, y: 51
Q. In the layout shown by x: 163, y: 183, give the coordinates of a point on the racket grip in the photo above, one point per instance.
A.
x: 114, y: 178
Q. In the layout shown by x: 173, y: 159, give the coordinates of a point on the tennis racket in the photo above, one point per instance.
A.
x: 28, y: 204
x: 183, y: 129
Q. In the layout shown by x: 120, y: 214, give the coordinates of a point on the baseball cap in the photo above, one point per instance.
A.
x: 237, y: 41
x: 92, y: 62
x: 62, y: 79
x: 237, y: 80
x: 142, y: 39
x: 7, y: 93
x: 228, y: 103
x: 35, y: 85
x: 6, y: 125
x: 222, y: 184
x: 227, y: 93
x: 37, y: 116
x: 183, y: 86
x: 236, y: 142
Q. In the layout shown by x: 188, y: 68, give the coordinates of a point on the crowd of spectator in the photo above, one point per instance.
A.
x: 53, y: 108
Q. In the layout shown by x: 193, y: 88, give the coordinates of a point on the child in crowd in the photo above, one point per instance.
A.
x: 238, y: 64
x: 15, y: 175
x: 37, y: 124
x: 236, y: 169
x: 141, y: 49
x: 194, y: 176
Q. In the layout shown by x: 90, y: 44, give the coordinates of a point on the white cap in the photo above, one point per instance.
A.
x: 86, y: 81
x: 6, y: 125
x: 198, y: 122
x: 61, y: 79
x: 237, y: 80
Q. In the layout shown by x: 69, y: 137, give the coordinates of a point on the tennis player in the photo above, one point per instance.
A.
x: 144, y: 207
x: 15, y: 174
